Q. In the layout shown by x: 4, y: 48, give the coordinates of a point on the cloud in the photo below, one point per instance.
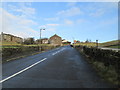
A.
x: 99, y: 9
x: 68, y: 22
x: 42, y: 26
x: 109, y: 22
x: 51, y: 29
x: 71, y: 4
x: 52, y: 19
x: 23, y: 9
x: 97, y: 13
x: 52, y: 24
x: 80, y: 21
x: 27, y: 22
x: 16, y: 25
x: 60, y: 1
x: 70, y: 12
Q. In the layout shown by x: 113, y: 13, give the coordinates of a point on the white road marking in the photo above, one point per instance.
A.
x: 53, y: 54
x: 23, y: 70
x: 58, y: 51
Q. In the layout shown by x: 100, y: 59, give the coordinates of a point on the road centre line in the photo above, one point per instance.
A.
x: 55, y: 52
x: 58, y: 51
x: 23, y: 70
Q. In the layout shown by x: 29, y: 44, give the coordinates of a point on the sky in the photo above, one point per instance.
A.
x: 70, y: 20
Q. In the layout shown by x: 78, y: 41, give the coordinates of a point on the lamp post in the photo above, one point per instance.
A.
x: 40, y: 41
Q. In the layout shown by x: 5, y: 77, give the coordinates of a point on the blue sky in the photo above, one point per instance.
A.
x: 70, y: 20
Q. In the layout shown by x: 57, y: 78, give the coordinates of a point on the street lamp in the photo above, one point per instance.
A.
x: 40, y: 41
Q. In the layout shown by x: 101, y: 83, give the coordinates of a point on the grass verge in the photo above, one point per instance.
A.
x: 108, y: 73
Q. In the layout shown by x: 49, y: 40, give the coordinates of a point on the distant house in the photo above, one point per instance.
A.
x: 42, y: 41
x: 29, y: 41
x: 10, y: 38
x: 45, y: 41
x: 65, y: 42
x: 76, y: 41
x: 55, y: 40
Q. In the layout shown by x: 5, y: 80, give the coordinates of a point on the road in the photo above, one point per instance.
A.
x: 62, y: 67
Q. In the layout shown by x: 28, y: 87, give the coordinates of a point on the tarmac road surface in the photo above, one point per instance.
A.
x: 62, y: 67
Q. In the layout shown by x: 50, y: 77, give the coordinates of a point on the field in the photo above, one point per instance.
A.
x: 16, y: 45
x: 86, y: 44
x: 111, y: 44
x: 9, y: 43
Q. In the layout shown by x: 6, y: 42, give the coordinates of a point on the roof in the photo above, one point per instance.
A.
x: 64, y: 41
x: 10, y: 35
x: 44, y: 39
x: 55, y: 35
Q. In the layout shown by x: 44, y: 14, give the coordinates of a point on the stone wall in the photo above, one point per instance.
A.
x: 108, y: 57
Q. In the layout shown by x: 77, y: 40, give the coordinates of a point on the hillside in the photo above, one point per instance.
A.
x: 112, y: 44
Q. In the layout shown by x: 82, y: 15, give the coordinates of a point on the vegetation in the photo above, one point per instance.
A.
x: 106, y: 62
x: 16, y: 45
x: 13, y: 51
x: 117, y: 46
x: 111, y: 44
x: 10, y: 44
x: 89, y: 44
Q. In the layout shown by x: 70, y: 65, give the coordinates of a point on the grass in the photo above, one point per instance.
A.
x: 114, y: 47
x: 9, y: 47
x: 107, y: 72
x: 86, y: 44
x: 38, y: 45
x: 9, y: 43
x: 110, y: 43
x: 16, y: 45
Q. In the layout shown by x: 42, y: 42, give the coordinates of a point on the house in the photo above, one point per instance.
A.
x: 76, y: 41
x: 65, y: 42
x: 29, y: 40
x: 45, y: 41
x: 55, y: 40
x: 42, y: 41
x: 10, y: 38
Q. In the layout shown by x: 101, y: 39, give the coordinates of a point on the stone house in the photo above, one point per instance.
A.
x: 29, y: 40
x: 45, y: 41
x: 10, y: 38
x: 42, y: 41
x: 65, y: 42
x: 55, y: 40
